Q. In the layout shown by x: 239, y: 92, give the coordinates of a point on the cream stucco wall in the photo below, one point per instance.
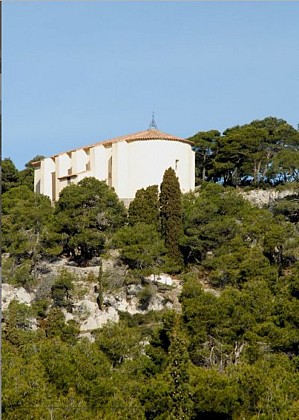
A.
x: 43, y: 177
x: 120, y: 169
x: 38, y: 180
x: 63, y: 163
x: 99, y: 157
x: 79, y: 160
x: 146, y: 162
x: 125, y: 165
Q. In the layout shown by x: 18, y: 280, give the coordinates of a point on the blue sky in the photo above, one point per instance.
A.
x: 75, y: 73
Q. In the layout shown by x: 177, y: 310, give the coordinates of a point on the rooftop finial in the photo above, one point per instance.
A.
x: 153, y: 122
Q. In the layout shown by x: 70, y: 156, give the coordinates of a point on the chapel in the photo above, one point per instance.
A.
x: 127, y: 163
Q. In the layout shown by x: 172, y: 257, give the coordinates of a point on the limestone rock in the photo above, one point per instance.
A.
x: 265, y: 197
x: 85, y: 309
x: 10, y: 293
x: 95, y: 318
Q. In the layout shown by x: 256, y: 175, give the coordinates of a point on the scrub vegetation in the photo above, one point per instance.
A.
x: 233, y: 350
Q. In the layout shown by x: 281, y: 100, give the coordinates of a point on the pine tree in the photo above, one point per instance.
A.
x: 145, y: 206
x: 171, y: 214
x: 9, y: 174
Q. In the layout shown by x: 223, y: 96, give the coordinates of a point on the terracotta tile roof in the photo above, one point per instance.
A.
x: 151, y: 134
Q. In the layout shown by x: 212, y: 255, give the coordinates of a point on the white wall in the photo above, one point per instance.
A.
x: 38, y: 179
x: 148, y: 160
x: 99, y: 156
x: 43, y: 177
x: 120, y: 168
x: 79, y: 161
x: 135, y: 165
x: 63, y: 163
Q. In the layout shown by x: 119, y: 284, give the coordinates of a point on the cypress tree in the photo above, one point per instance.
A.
x: 99, y: 287
x: 171, y: 214
x: 177, y: 375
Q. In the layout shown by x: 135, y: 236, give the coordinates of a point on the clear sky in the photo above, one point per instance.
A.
x: 75, y: 73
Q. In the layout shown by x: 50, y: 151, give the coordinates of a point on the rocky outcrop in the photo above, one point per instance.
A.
x: 153, y: 293
x: 263, y: 198
x: 126, y: 299
x: 10, y: 293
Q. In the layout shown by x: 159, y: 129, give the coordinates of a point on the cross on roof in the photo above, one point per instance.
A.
x: 153, y: 124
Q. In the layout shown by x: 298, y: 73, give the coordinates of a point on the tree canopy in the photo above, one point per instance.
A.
x: 261, y: 152
x: 145, y: 206
x: 229, y: 351
x: 84, y: 215
x: 10, y: 175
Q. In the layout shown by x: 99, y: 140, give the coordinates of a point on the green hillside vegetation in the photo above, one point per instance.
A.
x: 263, y: 152
x: 233, y: 350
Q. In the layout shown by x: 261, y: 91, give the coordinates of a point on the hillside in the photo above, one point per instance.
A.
x: 182, y: 306
x: 90, y: 335
x: 81, y: 302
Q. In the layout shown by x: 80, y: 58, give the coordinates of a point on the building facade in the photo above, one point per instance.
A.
x: 126, y: 163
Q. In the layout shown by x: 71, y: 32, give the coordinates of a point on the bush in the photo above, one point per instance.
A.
x: 61, y: 289
x: 146, y: 295
x: 18, y: 275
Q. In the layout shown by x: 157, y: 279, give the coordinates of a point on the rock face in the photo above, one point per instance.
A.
x: 265, y: 197
x: 161, y: 278
x: 126, y: 299
x: 89, y: 316
x: 10, y: 293
x: 152, y: 293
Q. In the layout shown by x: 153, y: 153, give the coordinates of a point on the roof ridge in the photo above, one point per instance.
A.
x: 139, y: 135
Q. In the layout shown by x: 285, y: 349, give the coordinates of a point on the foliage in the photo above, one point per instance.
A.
x: 26, y: 218
x: 145, y: 295
x: 261, y: 152
x: 9, y: 174
x: 62, y: 288
x: 12, y: 178
x: 287, y: 207
x: 232, y: 351
x: 99, y: 288
x: 54, y: 325
x: 19, y: 275
x: 114, y: 278
x: 231, y: 356
x: 205, y: 143
x: 26, y: 176
x: 140, y: 245
x: 233, y: 240
x: 169, y: 394
x: 85, y: 214
x: 171, y: 214
x: 118, y: 342
x: 145, y: 206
